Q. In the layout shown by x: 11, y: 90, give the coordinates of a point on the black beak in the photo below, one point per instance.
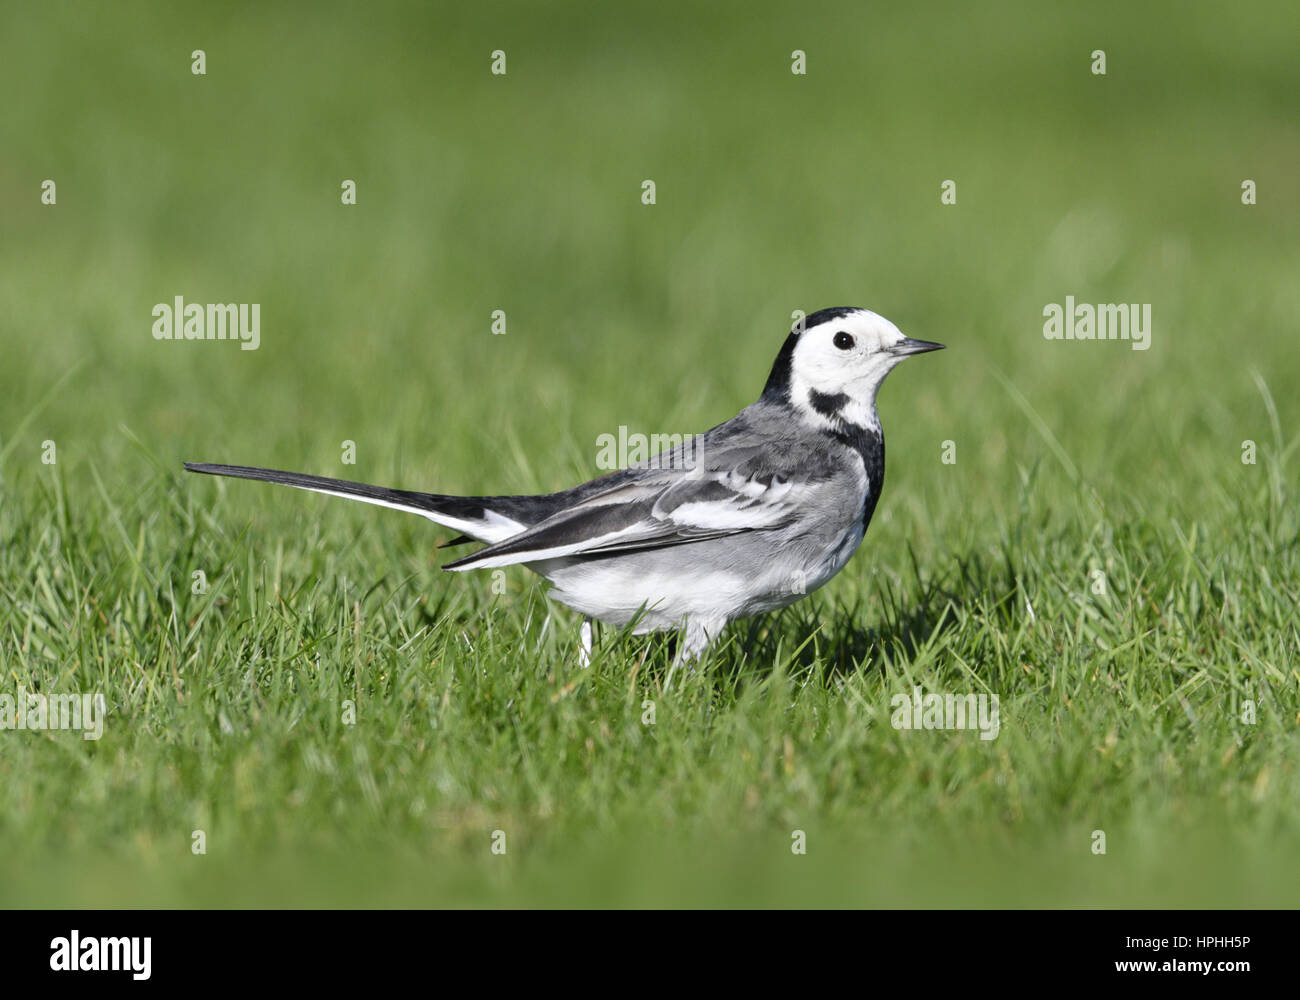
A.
x: 909, y: 346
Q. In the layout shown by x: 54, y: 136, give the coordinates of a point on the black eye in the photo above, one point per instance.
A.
x: 843, y: 341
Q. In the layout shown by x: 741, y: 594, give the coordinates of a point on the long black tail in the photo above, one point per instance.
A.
x: 471, y: 515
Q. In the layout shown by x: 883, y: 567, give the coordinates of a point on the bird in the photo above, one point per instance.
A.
x: 746, y: 518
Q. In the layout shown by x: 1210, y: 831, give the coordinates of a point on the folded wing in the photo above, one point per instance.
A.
x: 654, y: 511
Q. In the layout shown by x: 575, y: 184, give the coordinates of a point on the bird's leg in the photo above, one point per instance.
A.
x: 584, y: 651
x: 692, y: 643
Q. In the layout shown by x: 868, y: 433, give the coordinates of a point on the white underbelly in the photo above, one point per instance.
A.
x: 661, y: 589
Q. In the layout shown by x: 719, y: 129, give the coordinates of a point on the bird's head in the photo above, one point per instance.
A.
x: 834, y: 360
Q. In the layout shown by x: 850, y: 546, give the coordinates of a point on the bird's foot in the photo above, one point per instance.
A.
x: 691, y: 645
x: 584, y: 650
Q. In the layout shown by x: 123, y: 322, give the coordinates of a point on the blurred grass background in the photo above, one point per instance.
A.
x: 775, y: 192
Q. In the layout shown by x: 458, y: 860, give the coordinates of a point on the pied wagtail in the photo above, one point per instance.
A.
x: 747, y: 517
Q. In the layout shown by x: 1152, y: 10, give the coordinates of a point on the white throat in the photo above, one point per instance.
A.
x: 850, y: 407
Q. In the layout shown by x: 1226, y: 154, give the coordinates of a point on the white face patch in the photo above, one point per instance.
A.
x: 845, y: 357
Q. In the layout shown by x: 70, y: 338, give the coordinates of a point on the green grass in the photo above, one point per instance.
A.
x: 1120, y: 711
